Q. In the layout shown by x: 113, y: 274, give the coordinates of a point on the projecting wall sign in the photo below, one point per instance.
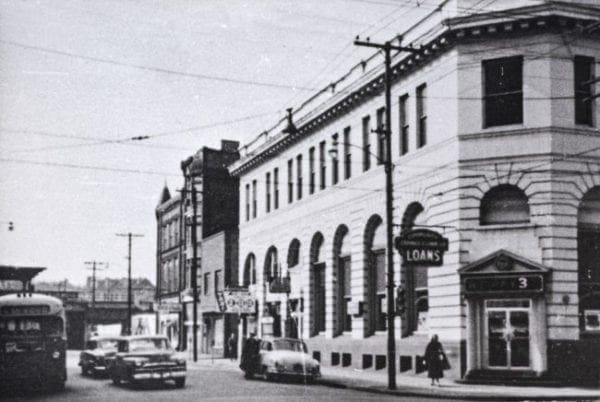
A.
x: 422, y: 247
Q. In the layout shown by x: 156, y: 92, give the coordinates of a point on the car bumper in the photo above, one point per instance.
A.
x: 162, y: 375
x: 294, y: 373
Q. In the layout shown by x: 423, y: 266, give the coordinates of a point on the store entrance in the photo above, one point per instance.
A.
x: 508, y: 334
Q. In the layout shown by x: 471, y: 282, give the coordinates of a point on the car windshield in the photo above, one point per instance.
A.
x: 148, y: 344
x: 48, y: 326
x: 286, y: 344
x: 107, y: 344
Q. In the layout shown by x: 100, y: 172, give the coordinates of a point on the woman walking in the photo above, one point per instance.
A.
x: 436, y: 360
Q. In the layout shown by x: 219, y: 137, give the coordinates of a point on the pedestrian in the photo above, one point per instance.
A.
x: 436, y: 360
x: 250, y: 355
x: 232, y: 346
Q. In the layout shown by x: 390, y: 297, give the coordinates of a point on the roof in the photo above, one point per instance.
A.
x: 165, y: 195
x: 23, y: 274
x: 30, y: 299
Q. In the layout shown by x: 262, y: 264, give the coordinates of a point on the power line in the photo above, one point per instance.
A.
x: 156, y: 69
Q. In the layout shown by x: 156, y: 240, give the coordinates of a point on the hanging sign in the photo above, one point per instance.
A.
x: 238, y: 301
x: 422, y: 247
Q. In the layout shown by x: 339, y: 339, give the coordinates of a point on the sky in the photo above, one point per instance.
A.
x: 80, y: 79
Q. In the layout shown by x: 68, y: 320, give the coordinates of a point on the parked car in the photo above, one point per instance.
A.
x: 143, y: 358
x: 98, y: 349
x: 287, y: 357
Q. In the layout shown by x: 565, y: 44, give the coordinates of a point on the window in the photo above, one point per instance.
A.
x: 503, y: 91
x: 290, y: 181
x: 268, y: 192
x: 299, y: 176
x: 218, y: 275
x: 381, y: 307
x: 254, y: 198
x: 584, y: 74
x: 366, y: 131
x: 271, y: 269
x: 335, y: 161
x: 249, y: 271
x: 247, y: 202
x: 403, y: 112
x: 322, y: 166
x: 347, y: 154
x: 276, y: 188
x: 381, y: 133
x: 504, y: 204
x: 206, y: 283
x: 311, y: 170
x: 421, y: 116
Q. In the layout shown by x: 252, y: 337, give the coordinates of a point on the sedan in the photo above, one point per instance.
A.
x: 143, y: 358
x: 98, y: 350
x: 287, y: 357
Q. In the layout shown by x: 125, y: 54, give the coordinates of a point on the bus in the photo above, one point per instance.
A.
x: 33, y: 341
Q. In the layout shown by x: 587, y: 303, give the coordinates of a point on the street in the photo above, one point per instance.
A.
x: 206, y: 382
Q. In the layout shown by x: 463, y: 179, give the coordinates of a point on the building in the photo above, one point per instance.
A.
x: 116, y: 290
x: 208, y: 203
x: 169, y: 269
x: 219, y: 271
x: 495, y: 146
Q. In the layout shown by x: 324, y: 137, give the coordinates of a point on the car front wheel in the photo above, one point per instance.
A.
x: 180, y: 382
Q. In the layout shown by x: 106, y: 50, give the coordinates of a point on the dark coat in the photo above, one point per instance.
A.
x: 436, y: 360
x: 249, y: 358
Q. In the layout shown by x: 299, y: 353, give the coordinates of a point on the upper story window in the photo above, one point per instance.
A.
x: 366, y: 132
x: 584, y: 101
x: 299, y: 177
x: 218, y: 280
x: 311, y: 170
x: 249, y: 271
x: 421, y: 115
x: 290, y: 173
x: 381, y: 133
x: 322, y: 166
x: 504, y: 204
x: 271, y: 269
x: 206, y: 283
x: 404, y: 126
x: 503, y: 91
x: 247, y: 202
x: 254, y: 198
x: 335, y: 166
x: 268, y: 191
x: 276, y: 188
x: 347, y: 154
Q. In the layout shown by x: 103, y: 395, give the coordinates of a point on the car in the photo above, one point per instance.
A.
x: 94, y: 358
x: 287, y: 357
x: 144, y: 358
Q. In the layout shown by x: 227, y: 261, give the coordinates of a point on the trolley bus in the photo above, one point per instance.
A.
x: 33, y: 341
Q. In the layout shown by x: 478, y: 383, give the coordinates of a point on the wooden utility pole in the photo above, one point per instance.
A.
x: 129, y: 300
x: 387, y: 47
x: 95, y: 265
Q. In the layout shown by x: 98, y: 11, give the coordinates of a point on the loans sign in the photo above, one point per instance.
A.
x: 238, y: 300
x: 422, y: 247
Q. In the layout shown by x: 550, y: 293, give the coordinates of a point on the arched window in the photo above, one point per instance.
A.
x: 317, y: 284
x: 504, y: 204
x: 342, y: 270
x: 250, y: 270
x: 293, y: 253
x: 376, y: 281
x: 271, y: 269
x: 588, y: 247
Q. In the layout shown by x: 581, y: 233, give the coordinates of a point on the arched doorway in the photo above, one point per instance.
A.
x: 588, y: 254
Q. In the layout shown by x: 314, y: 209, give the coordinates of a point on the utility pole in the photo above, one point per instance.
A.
x: 95, y: 266
x: 387, y: 47
x: 194, y: 270
x: 129, y: 301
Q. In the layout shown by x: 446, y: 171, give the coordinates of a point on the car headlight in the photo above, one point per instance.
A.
x: 279, y: 367
x: 55, y: 354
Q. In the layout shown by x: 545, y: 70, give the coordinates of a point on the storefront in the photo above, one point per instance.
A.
x: 506, y: 316
x: 169, y: 318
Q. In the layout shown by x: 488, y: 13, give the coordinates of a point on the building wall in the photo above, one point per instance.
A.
x: 448, y: 177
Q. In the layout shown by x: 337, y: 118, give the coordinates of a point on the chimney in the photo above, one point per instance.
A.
x: 229, y: 146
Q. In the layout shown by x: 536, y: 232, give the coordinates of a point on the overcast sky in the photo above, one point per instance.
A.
x: 79, y: 78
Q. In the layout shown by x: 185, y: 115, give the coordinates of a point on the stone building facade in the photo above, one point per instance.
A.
x: 495, y: 146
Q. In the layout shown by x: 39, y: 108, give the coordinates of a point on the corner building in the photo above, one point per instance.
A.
x: 495, y: 146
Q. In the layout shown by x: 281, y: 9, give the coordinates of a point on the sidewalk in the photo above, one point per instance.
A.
x: 419, y: 385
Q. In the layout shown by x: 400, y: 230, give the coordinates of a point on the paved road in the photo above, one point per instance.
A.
x: 204, y: 383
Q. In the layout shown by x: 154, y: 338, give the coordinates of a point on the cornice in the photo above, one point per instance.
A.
x: 549, y: 17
